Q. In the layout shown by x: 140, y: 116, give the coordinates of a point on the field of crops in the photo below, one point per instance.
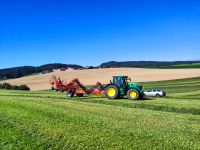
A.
x: 45, y: 119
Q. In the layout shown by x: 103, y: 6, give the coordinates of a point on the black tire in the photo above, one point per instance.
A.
x: 157, y: 95
x: 133, y: 97
x: 52, y: 88
x: 112, y: 87
x: 164, y: 94
x: 141, y: 97
x: 71, y: 93
x: 79, y: 94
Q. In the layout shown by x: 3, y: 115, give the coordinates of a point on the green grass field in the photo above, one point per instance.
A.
x: 49, y: 120
x: 182, y: 66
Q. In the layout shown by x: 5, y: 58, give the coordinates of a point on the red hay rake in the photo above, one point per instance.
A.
x: 75, y: 87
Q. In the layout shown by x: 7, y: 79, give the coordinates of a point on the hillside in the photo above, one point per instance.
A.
x: 91, y: 76
x: 17, y: 72
x: 150, y: 64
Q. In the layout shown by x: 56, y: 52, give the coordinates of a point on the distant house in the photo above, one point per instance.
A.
x: 89, y: 67
x: 63, y: 69
x: 69, y: 69
x: 55, y: 70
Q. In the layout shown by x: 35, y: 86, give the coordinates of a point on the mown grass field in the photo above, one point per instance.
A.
x: 49, y: 120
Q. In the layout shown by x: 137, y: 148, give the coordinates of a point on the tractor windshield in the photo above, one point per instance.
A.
x: 119, y: 81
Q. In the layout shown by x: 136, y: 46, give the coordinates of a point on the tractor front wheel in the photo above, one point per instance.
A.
x: 112, y: 91
x: 133, y: 94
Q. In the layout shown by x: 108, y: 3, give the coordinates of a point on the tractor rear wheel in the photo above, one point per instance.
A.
x: 112, y: 91
x: 133, y: 94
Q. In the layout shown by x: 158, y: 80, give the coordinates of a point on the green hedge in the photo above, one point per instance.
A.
x: 14, y: 87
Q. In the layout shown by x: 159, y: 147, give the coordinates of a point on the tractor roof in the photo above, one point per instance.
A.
x: 121, y: 76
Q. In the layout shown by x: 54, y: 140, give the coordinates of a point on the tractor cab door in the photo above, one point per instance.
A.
x: 120, y: 82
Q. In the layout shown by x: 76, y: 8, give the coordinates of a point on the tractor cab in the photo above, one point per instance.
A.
x: 120, y: 80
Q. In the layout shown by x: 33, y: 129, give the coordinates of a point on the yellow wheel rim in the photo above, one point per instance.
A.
x: 111, y: 92
x: 133, y: 94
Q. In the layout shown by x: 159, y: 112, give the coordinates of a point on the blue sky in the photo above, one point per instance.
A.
x: 89, y: 32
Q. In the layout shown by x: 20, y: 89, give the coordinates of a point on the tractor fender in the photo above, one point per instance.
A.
x: 109, y: 84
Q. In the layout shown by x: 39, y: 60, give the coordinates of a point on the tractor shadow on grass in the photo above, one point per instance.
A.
x: 118, y: 99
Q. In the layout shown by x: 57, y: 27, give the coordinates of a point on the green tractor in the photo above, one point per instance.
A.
x: 120, y: 87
